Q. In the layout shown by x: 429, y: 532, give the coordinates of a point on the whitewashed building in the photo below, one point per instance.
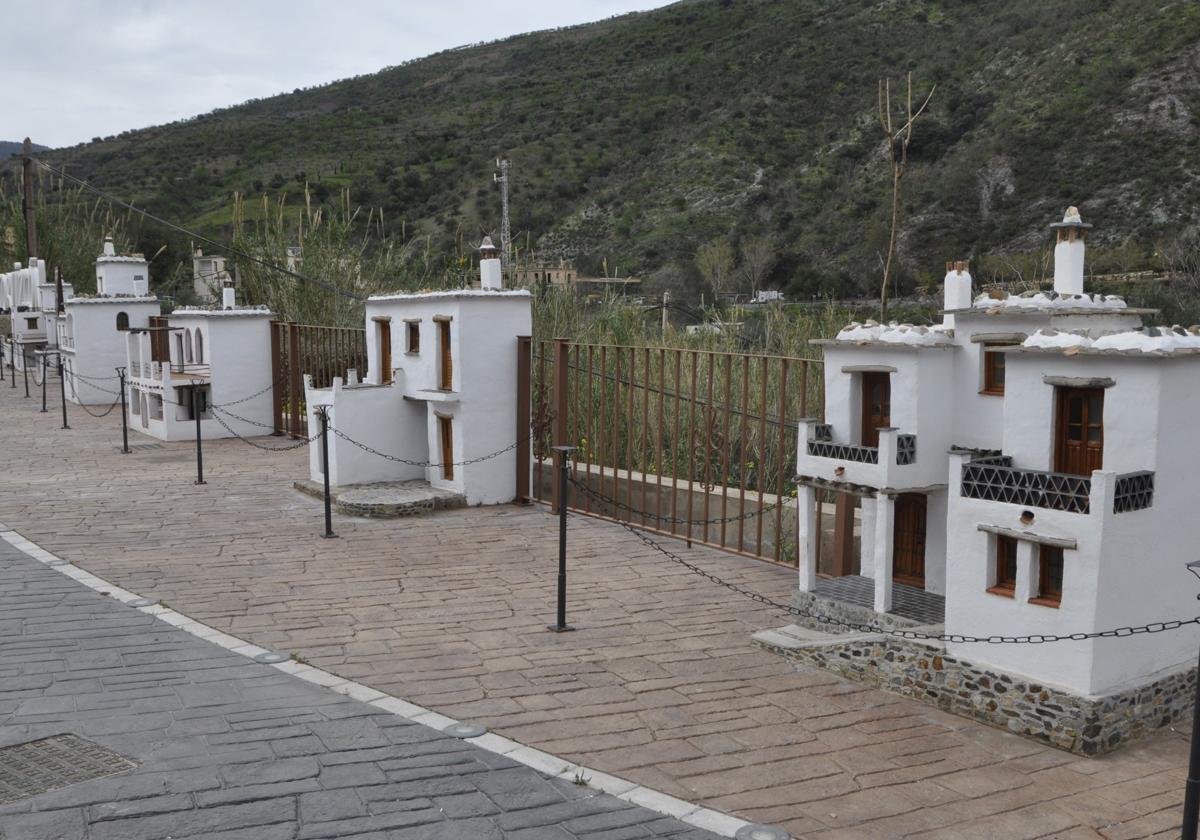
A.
x: 31, y: 304
x: 210, y: 274
x: 1027, y: 462
x: 440, y: 389
x: 92, y: 329
x: 198, y: 358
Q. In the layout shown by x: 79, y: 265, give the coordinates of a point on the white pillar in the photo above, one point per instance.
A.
x: 807, y: 534
x: 1027, y: 572
x: 885, y: 517
x: 866, y: 540
x: 1068, y: 267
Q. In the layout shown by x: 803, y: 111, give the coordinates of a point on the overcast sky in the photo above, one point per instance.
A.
x: 77, y: 69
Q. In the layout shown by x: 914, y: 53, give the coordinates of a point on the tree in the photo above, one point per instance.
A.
x: 758, y: 257
x: 715, y: 261
x: 897, y: 149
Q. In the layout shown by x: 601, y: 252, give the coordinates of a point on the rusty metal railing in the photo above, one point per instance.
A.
x: 321, y: 352
x: 696, y: 444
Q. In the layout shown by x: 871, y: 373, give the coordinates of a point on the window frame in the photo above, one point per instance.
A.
x: 412, y: 336
x: 1000, y: 582
x: 991, y: 352
x: 1047, y: 597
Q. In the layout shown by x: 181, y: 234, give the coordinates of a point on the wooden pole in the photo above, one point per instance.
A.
x: 27, y: 201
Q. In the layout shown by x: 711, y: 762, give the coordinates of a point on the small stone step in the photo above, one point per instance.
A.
x: 386, y: 500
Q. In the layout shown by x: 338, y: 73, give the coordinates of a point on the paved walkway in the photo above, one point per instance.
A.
x: 660, y: 685
x: 226, y: 748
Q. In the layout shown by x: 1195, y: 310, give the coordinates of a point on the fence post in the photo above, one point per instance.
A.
x: 277, y: 378
x: 45, y: 370
x: 62, y: 388
x: 25, y: 371
x: 199, y: 450
x: 27, y: 208
x: 562, y: 349
x: 294, y: 379
x: 524, y: 420
x: 564, y: 472
x: 323, y: 412
x: 124, y: 413
x: 12, y: 363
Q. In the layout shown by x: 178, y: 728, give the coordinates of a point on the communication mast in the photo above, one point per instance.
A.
x: 501, y: 178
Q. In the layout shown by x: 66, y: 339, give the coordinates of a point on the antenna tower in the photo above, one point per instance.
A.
x: 501, y: 178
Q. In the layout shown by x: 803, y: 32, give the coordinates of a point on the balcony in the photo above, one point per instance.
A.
x: 822, y: 446
x: 994, y: 478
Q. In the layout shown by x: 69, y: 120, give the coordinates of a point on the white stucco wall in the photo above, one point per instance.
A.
x: 97, y: 348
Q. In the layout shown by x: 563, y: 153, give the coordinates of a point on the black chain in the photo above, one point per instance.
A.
x: 411, y: 463
x: 1034, y: 639
x: 303, y: 442
x: 600, y: 497
x: 87, y: 410
x: 255, y: 394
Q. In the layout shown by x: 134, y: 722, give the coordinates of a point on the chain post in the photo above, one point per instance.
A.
x: 62, y: 389
x: 45, y: 370
x: 564, y: 474
x: 199, y: 449
x: 12, y: 363
x: 323, y: 412
x: 25, y: 372
x: 124, y: 414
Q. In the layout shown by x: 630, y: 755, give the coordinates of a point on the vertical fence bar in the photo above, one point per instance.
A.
x: 523, y: 425
x: 691, y: 515
x: 804, y: 388
x: 781, y: 481
x: 542, y: 407
x: 589, y: 452
x: 601, y: 441
x: 764, y: 370
x: 675, y: 443
x: 728, y: 445
x: 645, y: 424
x: 294, y: 381
x: 616, y: 430
x: 277, y: 378
x: 742, y: 451
x: 562, y: 371
x: 710, y: 423
x: 660, y: 465
x: 629, y: 431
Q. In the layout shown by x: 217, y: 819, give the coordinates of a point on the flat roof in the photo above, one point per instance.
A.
x: 1000, y: 310
x: 452, y: 293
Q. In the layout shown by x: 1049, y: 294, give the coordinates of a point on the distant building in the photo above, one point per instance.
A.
x: 209, y: 274
x: 563, y: 273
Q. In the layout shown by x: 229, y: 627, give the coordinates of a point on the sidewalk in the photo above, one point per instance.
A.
x: 226, y: 748
x: 660, y: 684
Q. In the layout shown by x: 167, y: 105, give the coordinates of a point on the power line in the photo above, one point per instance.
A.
x: 219, y: 245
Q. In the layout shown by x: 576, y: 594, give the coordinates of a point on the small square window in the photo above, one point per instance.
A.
x: 31, y: 323
x: 413, y: 333
x: 993, y: 370
x: 1050, y: 576
x: 1006, y: 567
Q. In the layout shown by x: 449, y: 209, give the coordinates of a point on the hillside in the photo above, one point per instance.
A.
x: 635, y: 139
x: 13, y: 147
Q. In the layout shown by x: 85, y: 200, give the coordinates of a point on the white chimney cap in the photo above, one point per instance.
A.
x: 1072, y: 216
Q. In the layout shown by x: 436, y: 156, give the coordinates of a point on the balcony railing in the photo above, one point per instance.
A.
x: 1133, y: 491
x: 822, y: 446
x: 996, y: 479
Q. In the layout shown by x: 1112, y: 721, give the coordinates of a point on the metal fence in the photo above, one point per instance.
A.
x: 695, y: 444
x: 321, y: 352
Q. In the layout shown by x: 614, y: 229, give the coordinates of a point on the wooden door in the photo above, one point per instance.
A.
x: 908, y: 540
x: 385, y: 352
x: 876, y: 406
x: 1079, y: 431
x: 446, y: 434
x: 446, y: 374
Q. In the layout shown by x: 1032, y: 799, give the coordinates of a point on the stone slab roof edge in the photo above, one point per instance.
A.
x: 452, y: 293
x: 1001, y: 311
x: 91, y: 301
x: 833, y: 342
x: 1089, y: 351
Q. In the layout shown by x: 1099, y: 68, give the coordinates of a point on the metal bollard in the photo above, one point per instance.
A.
x: 25, y: 372
x: 564, y: 472
x: 62, y: 388
x: 124, y: 414
x: 199, y: 450
x: 323, y: 411
x: 45, y: 368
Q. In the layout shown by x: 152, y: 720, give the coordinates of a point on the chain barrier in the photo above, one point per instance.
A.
x: 86, y: 410
x: 874, y: 629
x: 281, y: 378
x: 411, y: 463
x: 303, y: 442
x: 676, y: 520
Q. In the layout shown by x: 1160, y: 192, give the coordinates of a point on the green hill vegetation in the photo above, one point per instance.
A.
x: 639, y: 140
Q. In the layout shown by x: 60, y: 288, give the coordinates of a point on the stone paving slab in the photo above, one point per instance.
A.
x: 660, y: 684
x: 227, y: 748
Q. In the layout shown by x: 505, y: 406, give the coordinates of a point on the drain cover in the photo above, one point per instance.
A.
x: 272, y: 657
x: 51, y: 763
x: 465, y: 730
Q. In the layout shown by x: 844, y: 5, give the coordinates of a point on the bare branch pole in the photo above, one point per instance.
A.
x: 897, y: 149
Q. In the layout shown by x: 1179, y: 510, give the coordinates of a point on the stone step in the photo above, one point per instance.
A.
x: 386, y: 500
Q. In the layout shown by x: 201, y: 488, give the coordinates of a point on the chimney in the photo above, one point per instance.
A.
x: 491, y: 275
x: 957, y: 291
x: 109, y: 250
x: 227, y: 296
x: 1068, y: 253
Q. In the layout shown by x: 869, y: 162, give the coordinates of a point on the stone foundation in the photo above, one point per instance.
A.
x: 1087, y: 726
x: 852, y: 613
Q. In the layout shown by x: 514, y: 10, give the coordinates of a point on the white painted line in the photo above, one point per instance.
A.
x: 723, y: 825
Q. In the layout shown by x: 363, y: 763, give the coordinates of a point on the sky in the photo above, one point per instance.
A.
x: 78, y: 69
